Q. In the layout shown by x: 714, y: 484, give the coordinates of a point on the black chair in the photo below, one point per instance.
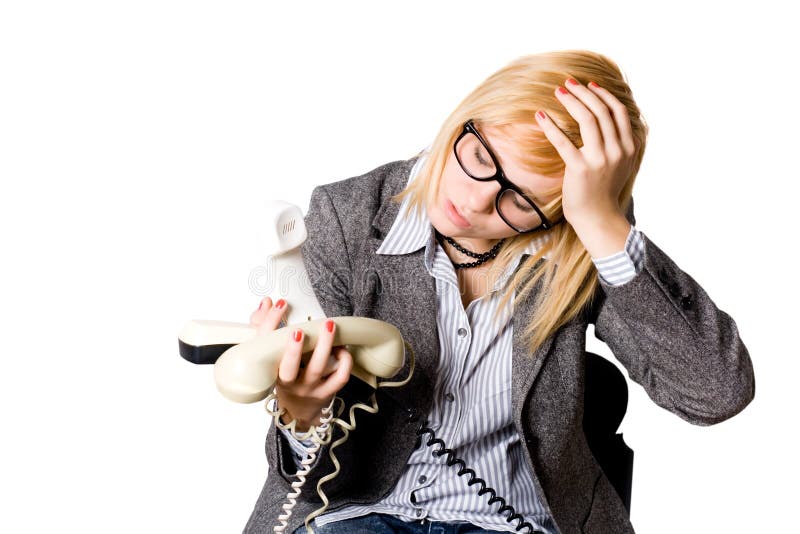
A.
x: 605, y: 404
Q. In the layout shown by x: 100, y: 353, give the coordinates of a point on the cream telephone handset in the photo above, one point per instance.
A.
x: 246, y: 361
x: 246, y: 372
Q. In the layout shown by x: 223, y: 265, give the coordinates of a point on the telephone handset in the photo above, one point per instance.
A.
x: 246, y: 362
x: 246, y: 370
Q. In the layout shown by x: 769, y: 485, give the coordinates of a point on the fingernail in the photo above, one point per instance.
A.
x: 562, y: 91
x: 329, y: 325
x: 298, y: 335
x: 540, y: 114
x: 260, y: 304
x: 281, y: 303
x: 572, y: 81
x: 594, y: 85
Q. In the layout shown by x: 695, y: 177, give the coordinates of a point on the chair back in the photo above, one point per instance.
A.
x: 604, y: 405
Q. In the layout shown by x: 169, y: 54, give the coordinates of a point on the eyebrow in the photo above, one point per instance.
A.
x: 525, y: 190
x: 539, y: 198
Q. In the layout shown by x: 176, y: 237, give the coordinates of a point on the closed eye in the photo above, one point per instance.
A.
x: 479, y: 158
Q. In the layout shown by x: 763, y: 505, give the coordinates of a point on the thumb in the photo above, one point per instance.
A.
x: 257, y: 317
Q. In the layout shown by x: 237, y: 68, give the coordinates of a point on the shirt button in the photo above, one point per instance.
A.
x: 449, y: 397
x: 419, y: 512
x: 462, y: 332
x: 422, y: 479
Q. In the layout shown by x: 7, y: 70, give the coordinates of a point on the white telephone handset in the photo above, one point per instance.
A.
x: 246, y: 363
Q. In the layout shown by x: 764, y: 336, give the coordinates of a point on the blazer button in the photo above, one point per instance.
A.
x: 687, y: 302
x: 674, y: 290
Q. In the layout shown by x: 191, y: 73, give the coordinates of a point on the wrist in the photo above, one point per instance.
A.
x: 602, y: 235
x: 303, y: 422
x: 300, y: 425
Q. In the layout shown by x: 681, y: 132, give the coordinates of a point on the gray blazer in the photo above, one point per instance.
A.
x: 661, y: 325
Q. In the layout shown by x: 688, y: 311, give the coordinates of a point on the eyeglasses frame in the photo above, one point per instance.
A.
x: 500, y: 177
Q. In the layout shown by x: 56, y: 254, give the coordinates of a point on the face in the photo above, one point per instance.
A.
x: 464, y: 209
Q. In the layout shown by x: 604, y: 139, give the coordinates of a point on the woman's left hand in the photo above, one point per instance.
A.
x: 595, y: 173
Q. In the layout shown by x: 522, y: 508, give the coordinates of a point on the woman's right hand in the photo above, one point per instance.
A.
x: 304, y: 389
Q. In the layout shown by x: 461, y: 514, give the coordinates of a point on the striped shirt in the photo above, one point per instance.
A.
x: 472, y: 401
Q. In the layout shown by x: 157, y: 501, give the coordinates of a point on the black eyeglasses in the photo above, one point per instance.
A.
x: 479, y: 163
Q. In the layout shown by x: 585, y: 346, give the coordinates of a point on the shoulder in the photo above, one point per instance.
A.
x: 357, y: 200
x: 372, y: 187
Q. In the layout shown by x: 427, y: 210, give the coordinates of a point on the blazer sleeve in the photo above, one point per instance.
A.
x: 327, y: 263
x: 675, y: 342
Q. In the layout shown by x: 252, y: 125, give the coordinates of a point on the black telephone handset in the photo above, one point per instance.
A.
x: 245, y: 362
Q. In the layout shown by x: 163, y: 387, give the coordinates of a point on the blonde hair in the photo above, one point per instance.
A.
x: 509, y: 97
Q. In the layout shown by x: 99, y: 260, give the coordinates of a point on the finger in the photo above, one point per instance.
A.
x: 590, y: 133
x: 319, y: 359
x: 273, y: 316
x: 610, y: 143
x: 336, y: 381
x: 333, y: 362
x: 257, y: 317
x: 562, y: 144
x: 290, y: 362
x: 621, y: 117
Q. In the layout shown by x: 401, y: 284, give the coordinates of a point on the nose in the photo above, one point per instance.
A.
x: 482, y: 196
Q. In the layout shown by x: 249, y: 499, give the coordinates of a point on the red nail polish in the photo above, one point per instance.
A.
x: 572, y: 81
x: 329, y: 325
x: 541, y: 114
x: 281, y: 303
x: 594, y: 85
x: 298, y: 335
x: 562, y: 91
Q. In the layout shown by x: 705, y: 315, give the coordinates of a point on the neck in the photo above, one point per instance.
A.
x: 476, y: 245
x: 459, y: 253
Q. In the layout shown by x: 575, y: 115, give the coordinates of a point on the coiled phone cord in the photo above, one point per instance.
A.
x: 320, y: 435
x: 452, y: 459
x: 351, y: 425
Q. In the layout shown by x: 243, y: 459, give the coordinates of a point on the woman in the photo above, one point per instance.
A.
x: 511, y: 233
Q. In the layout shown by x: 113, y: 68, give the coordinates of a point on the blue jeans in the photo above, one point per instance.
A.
x: 388, y: 524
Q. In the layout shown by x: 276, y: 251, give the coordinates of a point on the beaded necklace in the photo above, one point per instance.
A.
x: 481, y: 257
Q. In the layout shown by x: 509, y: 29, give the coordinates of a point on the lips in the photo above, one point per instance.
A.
x: 455, y: 216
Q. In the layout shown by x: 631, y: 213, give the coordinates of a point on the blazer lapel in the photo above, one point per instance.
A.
x: 407, y: 292
x: 408, y: 300
x: 525, y: 366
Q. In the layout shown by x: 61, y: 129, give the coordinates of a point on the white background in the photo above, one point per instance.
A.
x: 139, y: 142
